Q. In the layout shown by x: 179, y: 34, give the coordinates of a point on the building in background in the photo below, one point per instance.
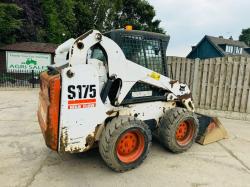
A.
x: 211, y: 47
x: 27, y: 56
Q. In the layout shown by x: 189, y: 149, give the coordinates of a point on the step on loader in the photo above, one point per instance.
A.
x: 113, y: 91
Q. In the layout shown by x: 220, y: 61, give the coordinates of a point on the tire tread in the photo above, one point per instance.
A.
x: 110, y: 131
x: 168, y: 124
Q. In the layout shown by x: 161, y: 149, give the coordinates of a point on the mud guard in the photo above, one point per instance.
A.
x: 210, y: 130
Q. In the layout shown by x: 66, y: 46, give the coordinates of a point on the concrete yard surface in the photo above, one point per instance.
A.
x: 26, y: 161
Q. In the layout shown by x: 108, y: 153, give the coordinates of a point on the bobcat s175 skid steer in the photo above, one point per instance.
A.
x: 112, y: 90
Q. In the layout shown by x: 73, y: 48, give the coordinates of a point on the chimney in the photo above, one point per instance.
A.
x: 230, y: 38
x: 221, y: 37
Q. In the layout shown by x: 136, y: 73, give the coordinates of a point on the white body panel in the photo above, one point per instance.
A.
x: 79, y: 116
x: 62, y: 51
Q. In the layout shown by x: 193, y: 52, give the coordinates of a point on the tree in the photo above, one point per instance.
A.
x: 57, y: 20
x: 85, y: 16
x: 95, y: 14
x: 105, y: 15
x: 32, y: 20
x: 54, y: 29
x: 245, y: 36
x: 10, y: 22
x: 138, y: 13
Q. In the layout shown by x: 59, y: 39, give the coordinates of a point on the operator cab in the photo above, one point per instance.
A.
x: 147, y: 49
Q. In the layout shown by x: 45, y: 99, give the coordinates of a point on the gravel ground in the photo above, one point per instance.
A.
x: 26, y: 161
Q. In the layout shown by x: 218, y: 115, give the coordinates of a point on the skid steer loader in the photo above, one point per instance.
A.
x: 112, y: 90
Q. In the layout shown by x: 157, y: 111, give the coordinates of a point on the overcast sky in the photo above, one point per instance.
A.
x: 187, y: 21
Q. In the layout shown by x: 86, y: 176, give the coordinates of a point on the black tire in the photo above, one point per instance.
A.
x: 172, y: 121
x: 112, y: 134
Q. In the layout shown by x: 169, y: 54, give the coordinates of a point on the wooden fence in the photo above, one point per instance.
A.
x: 219, y: 84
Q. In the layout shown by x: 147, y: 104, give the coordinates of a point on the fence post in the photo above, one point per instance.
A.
x: 169, y: 66
x: 248, y: 86
x: 248, y: 103
x: 33, y: 79
x: 195, y: 79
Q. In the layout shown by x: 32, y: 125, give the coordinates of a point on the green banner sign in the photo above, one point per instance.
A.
x: 22, y: 61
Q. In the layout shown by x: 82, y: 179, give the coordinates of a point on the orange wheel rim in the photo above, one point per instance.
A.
x: 130, y: 146
x: 184, y: 133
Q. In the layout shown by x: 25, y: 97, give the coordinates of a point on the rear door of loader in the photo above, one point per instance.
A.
x: 81, y: 108
x: 48, y: 108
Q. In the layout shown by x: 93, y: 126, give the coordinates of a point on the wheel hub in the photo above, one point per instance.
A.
x: 184, y: 133
x: 130, y: 146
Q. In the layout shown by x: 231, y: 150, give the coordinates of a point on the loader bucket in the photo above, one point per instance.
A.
x: 210, y: 130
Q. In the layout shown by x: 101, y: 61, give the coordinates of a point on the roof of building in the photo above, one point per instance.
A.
x: 31, y: 47
x: 218, y: 42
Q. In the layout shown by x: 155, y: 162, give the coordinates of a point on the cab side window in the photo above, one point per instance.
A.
x: 97, y: 52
